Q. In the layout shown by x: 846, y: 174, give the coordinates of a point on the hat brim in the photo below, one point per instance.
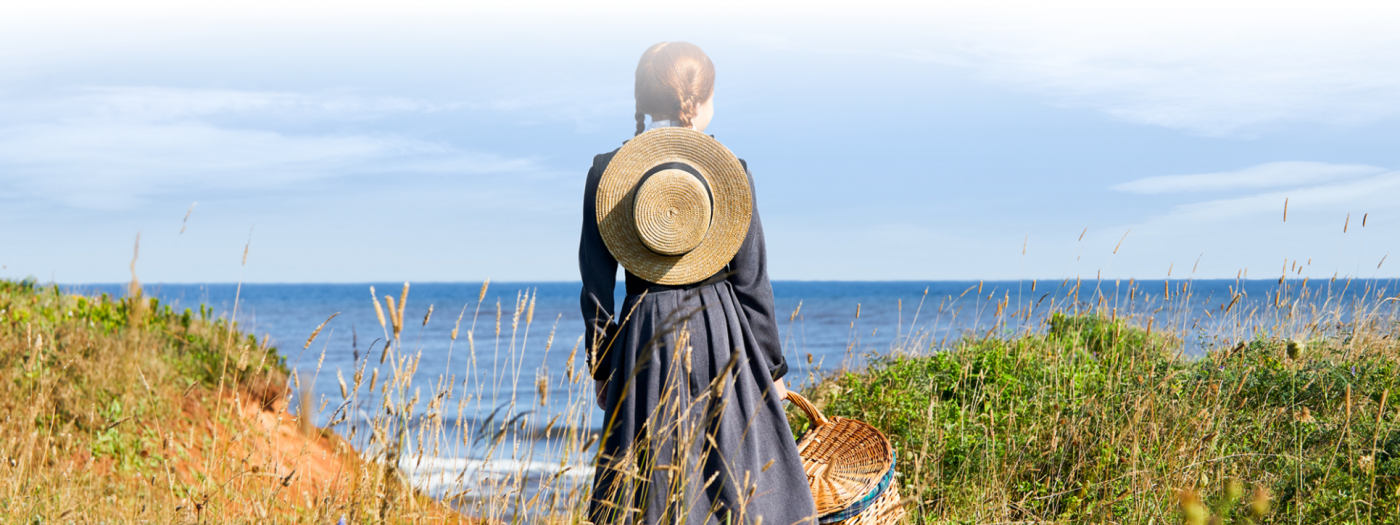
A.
x: 729, y: 223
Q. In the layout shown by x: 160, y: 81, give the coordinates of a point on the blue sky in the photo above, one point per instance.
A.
x: 448, y: 142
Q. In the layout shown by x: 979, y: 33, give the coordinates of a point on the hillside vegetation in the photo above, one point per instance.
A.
x: 127, y: 410
x: 1096, y: 418
x: 131, y: 411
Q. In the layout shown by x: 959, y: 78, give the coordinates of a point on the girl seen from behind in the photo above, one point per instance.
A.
x: 689, y: 368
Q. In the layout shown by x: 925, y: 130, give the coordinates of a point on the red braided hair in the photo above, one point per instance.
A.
x: 673, y: 79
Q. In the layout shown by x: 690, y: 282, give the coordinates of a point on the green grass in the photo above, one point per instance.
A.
x: 1095, y: 419
x: 1082, y: 417
x: 130, y: 411
x: 126, y: 410
x: 90, y: 383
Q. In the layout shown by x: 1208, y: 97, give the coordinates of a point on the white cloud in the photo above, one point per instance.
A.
x: 158, y: 104
x: 1316, y: 214
x: 1247, y: 234
x: 1208, y: 68
x: 1263, y: 176
x: 771, y: 42
x: 111, y: 148
x: 1371, y: 193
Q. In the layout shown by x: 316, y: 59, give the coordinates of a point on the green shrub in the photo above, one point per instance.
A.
x: 1094, y: 419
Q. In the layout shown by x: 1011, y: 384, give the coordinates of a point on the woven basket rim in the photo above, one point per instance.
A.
x: 888, y: 509
x: 863, y: 504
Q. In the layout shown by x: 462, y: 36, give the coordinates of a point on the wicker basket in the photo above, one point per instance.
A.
x: 860, y: 505
x: 846, y: 462
x: 886, y: 510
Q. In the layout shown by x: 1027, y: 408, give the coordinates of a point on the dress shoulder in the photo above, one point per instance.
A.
x: 601, y: 160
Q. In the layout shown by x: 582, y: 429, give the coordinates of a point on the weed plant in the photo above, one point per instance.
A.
x: 90, y: 389
x: 129, y: 411
x: 1087, y: 414
x: 1089, y: 409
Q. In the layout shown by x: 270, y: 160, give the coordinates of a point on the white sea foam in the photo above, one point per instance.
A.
x: 451, y: 477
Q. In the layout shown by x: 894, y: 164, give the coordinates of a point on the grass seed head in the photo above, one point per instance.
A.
x: 1193, y: 510
x: 1233, y: 491
x: 403, y: 301
x: 317, y: 331
x: 393, y: 314
x: 378, y: 311
x: 1259, y: 502
x: 530, y: 312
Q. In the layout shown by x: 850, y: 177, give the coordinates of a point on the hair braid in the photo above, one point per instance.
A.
x: 673, y: 78
x: 687, y: 108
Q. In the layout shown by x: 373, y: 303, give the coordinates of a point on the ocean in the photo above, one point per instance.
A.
x: 826, y: 326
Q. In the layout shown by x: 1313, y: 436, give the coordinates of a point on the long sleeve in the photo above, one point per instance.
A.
x: 598, y: 269
x: 749, y: 278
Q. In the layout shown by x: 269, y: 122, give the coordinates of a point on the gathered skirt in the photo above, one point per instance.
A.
x: 692, y: 432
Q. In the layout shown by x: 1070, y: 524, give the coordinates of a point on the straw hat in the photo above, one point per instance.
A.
x: 674, y: 206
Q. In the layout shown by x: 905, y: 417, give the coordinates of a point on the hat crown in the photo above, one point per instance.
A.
x: 672, y: 211
x: 699, y: 216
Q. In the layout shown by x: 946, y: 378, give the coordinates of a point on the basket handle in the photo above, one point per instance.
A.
x: 818, y: 419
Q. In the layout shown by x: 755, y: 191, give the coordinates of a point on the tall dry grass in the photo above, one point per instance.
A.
x: 1095, y: 403
x: 128, y: 411
x: 1110, y: 403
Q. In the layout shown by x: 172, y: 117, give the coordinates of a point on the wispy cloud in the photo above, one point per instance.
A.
x: 111, y: 148
x: 1264, y: 176
x: 1207, y: 68
x: 771, y: 42
x: 1324, y: 231
x: 1372, y: 193
x: 159, y: 104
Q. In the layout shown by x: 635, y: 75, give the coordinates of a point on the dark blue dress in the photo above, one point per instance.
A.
x: 690, y: 433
